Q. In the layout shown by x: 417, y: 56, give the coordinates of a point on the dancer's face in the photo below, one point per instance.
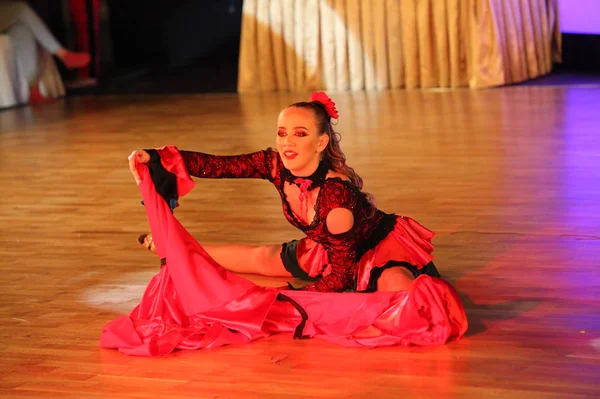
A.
x: 299, y: 141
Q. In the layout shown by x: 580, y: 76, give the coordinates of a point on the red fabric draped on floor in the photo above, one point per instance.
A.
x: 195, y: 303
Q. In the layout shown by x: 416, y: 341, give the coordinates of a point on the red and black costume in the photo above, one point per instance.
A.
x: 354, y: 257
x: 193, y: 302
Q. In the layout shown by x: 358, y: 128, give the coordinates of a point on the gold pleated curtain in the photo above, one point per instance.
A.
x: 340, y: 45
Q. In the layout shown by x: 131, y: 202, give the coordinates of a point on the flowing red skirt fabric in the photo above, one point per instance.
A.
x: 195, y: 303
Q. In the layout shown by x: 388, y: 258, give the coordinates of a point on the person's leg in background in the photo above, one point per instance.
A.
x: 14, y: 13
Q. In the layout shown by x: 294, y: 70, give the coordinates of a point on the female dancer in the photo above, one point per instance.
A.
x: 350, y: 244
x: 195, y: 302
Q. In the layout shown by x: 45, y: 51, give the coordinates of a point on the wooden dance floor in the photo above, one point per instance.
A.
x: 508, y: 178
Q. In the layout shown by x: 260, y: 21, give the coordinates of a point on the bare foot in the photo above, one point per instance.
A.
x: 145, y: 240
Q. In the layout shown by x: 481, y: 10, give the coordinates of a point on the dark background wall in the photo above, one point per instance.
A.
x: 171, y: 32
x: 157, y: 45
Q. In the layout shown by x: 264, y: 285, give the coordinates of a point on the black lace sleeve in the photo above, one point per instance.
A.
x: 258, y: 165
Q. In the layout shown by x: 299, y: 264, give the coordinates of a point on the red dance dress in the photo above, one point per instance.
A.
x: 193, y: 302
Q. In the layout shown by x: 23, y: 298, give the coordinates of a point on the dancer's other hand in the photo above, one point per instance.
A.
x: 137, y: 156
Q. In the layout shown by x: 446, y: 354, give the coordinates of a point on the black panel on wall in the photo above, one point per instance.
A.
x: 581, y: 52
x: 197, y: 28
x: 136, y: 27
x: 160, y: 32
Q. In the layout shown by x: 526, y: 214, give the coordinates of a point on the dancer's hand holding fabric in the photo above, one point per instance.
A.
x: 139, y: 156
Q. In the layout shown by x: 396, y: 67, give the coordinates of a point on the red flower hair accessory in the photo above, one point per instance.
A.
x: 329, y: 105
